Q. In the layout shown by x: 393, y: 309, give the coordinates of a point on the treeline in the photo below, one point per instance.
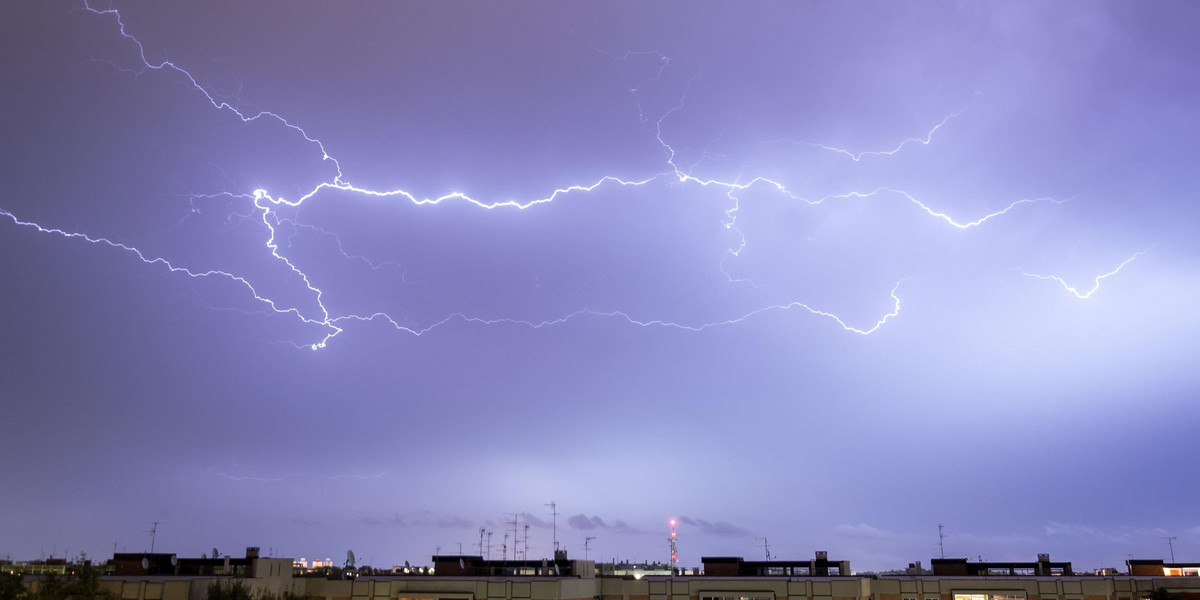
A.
x: 83, y: 584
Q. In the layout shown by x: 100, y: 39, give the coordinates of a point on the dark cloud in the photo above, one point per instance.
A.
x: 448, y: 522
x: 718, y: 528
x: 534, y: 521
x: 586, y: 523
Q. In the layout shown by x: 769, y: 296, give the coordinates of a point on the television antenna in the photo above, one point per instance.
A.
x: 941, y: 537
x: 587, y: 540
x: 1170, y: 544
x: 554, y: 523
x: 514, y: 522
x: 766, y: 547
x: 153, y: 531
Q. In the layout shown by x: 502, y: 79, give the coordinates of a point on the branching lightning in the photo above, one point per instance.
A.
x: 1095, y: 282
x: 173, y: 268
x: 940, y: 215
x: 266, y: 205
x: 632, y: 321
x: 858, y: 156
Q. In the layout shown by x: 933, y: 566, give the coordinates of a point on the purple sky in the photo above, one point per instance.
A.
x: 826, y: 273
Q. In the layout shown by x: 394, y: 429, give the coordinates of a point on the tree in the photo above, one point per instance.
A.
x: 49, y: 587
x: 11, y: 587
x: 82, y: 584
x: 235, y: 590
x: 85, y: 585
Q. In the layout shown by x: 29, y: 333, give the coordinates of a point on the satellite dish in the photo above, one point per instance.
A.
x: 350, y: 558
x: 174, y: 561
x: 216, y: 554
x: 145, y: 563
x: 461, y: 564
x: 556, y: 569
x: 406, y: 565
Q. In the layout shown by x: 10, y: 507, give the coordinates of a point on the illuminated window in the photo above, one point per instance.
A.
x: 958, y: 596
x: 987, y: 596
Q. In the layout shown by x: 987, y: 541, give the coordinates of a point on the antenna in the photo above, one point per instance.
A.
x: 114, y: 548
x: 460, y: 548
x: 152, y: 531
x: 554, y: 523
x: 941, y: 536
x: 766, y: 548
x: 504, y: 548
x: 525, y: 550
x: 674, y: 547
x: 482, y: 530
x: 587, y: 540
x: 1170, y: 544
x: 514, y: 522
x: 489, y: 548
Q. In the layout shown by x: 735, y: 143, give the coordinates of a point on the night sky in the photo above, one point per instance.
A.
x: 375, y: 275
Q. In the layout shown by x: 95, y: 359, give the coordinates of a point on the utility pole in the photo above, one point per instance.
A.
x: 941, y: 537
x: 587, y: 540
x: 153, y: 532
x: 554, y: 523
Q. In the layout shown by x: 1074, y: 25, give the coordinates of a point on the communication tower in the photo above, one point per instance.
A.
x: 674, y: 546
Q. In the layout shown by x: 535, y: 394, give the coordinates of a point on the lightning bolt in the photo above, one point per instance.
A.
x: 153, y: 260
x: 940, y: 215
x: 1095, y: 282
x: 266, y: 205
x: 631, y: 320
x: 858, y: 156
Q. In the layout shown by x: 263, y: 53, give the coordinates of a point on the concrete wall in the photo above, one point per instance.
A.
x: 274, y: 578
